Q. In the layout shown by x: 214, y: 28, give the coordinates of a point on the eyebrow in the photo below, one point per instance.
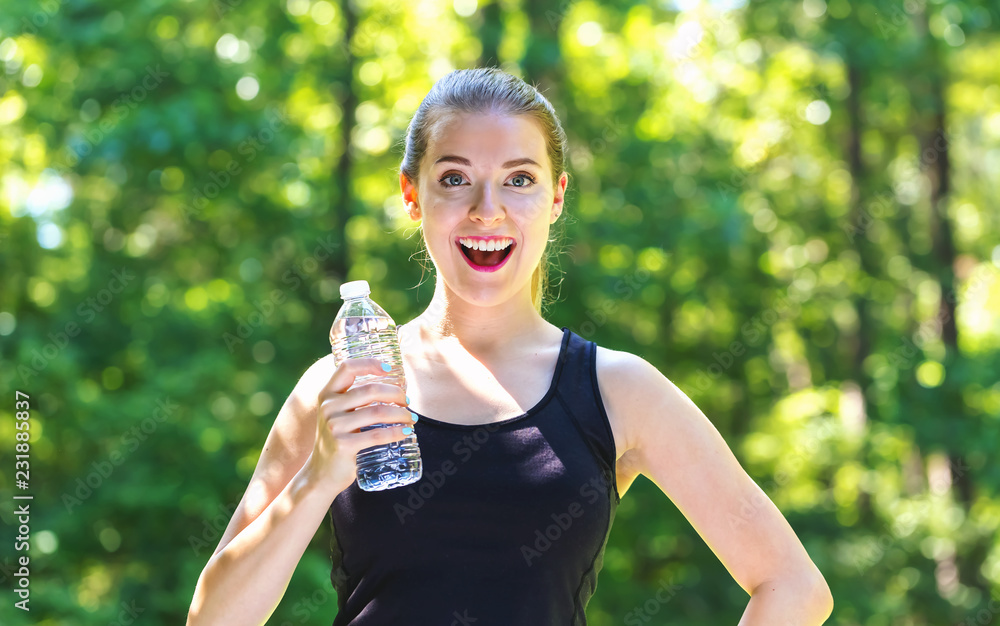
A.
x: 464, y: 161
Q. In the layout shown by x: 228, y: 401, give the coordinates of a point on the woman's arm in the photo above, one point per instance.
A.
x: 283, y: 506
x: 249, y: 576
x: 672, y: 442
x: 309, y: 457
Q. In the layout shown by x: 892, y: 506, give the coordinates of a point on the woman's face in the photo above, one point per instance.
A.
x: 485, y: 181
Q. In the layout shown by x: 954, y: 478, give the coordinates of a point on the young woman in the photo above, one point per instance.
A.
x: 529, y: 434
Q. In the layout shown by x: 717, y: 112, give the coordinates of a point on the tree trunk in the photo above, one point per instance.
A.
x: 936, y: 162
x: 542, y: 58
x: 342, y: 208
x: 861, y: 343
x: 490, y: 33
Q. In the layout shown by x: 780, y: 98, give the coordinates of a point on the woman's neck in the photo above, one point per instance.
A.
x: 480, y: 331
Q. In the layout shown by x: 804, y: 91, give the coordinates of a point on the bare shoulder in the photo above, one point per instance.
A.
x: 617, y: 372
x: 634, y: 391
x: 294, y: 428
x: 316, y: 376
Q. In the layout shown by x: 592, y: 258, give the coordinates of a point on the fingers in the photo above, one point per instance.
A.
x: 381, y: 436
x: 355, y: 442
x: 353, y: 421
x: 343, y: 377
x: 373, y: 392
x: 337, y: 405
x: 344, y: 411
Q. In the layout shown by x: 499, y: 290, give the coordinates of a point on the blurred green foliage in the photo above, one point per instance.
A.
x: 788, y: 207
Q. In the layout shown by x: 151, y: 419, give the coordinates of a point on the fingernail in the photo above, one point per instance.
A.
x: 407, y: 430
x: 414, y: 416
x: 407, y: 399
x: 386, y: 367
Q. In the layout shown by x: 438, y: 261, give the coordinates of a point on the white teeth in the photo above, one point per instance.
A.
x: 486, y: 246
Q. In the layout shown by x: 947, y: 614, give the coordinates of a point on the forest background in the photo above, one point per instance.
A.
x: 789, y: 207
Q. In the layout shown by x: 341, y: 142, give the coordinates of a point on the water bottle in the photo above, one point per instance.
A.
x: 363, y: 329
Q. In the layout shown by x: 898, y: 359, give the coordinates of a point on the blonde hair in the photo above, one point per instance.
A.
x: 538, y: 284
x: 488, y: 90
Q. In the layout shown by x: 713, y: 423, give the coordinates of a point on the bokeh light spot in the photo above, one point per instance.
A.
x: 930, y: 374
x: 247, y: 88
x: 465, y: 8
x: 589, y: 34
x: 817, y: 112
x: 112, y: 378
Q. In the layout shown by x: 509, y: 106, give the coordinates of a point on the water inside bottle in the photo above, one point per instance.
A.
x: 396, y: 463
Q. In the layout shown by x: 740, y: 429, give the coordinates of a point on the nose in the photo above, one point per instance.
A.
x: 487, y: 209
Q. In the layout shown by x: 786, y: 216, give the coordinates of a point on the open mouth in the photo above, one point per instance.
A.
x: 478, y: 255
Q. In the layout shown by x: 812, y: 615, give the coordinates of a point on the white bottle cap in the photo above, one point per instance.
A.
x: 354, y: 289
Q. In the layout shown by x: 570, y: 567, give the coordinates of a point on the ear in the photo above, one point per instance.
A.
x: 560, y: 197
x: 409, y: 197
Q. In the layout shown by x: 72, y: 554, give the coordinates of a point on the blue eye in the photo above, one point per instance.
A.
x: 455, y: 179
x: 451, y: 177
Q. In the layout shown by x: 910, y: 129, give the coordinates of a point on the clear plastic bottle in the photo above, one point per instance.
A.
x: 363, y: 329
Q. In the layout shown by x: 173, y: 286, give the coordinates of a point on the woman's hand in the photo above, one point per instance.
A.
x: 333, y: 461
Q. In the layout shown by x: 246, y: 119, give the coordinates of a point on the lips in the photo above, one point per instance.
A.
x: 486, y: 260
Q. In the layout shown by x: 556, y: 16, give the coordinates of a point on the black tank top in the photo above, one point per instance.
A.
x: 507, y: 526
